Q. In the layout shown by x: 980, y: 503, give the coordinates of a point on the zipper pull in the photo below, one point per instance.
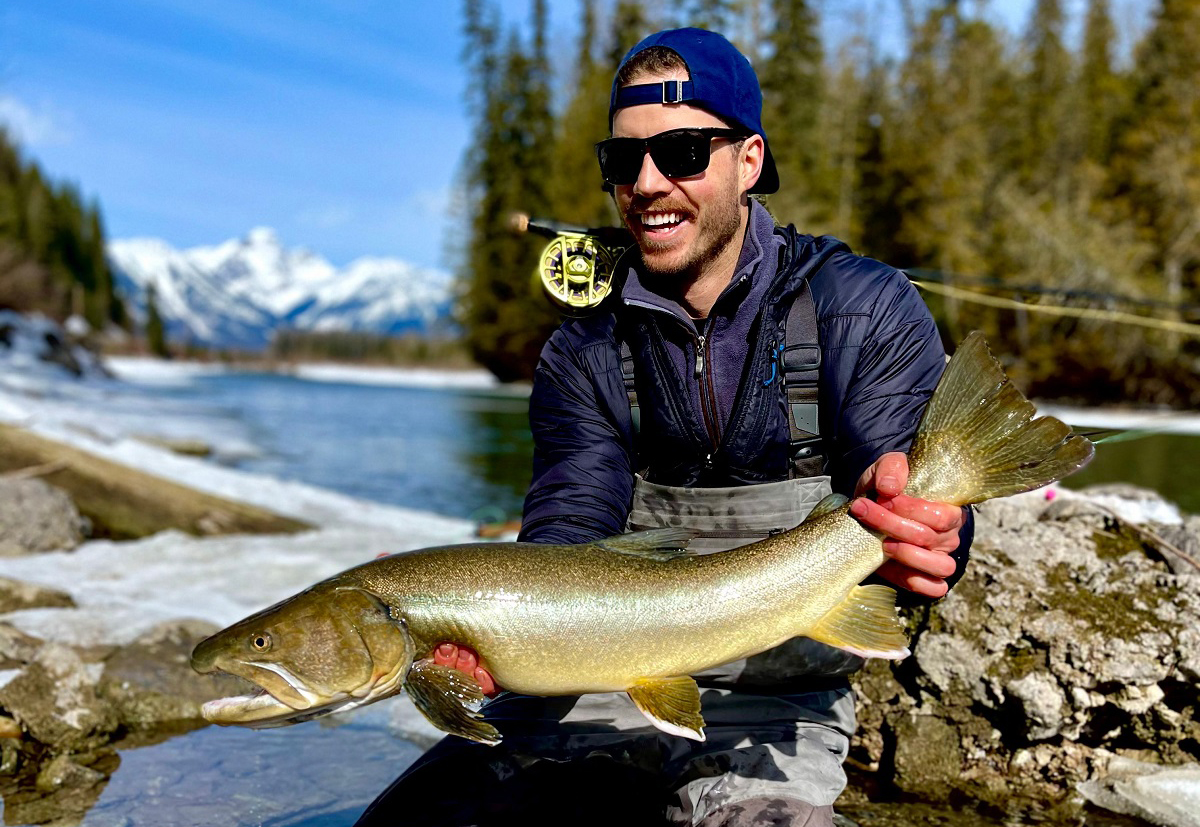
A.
x: 699, y: 356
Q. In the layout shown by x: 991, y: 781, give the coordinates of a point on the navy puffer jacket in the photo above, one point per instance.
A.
x: 881, y: 358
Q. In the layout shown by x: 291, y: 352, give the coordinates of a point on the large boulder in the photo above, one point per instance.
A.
x: 35, y: 516
x: 1074, y: 637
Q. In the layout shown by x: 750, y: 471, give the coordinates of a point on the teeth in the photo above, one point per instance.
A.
x: 661, y: 219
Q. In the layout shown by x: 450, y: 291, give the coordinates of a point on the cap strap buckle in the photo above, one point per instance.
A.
x: 672, y: 91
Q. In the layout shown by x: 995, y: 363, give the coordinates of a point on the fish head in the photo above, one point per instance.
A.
x: 327, y: 649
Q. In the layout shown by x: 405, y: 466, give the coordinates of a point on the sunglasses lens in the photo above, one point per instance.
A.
x: 680, y: 154
x: 620, y: 160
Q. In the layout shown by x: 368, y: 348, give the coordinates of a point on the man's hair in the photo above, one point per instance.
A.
x: 654, y: 60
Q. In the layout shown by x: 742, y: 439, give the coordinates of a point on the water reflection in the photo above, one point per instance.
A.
x: 310, y: 775
x: 498, y: 451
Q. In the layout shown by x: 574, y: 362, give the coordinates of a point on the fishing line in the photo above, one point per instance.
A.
x: 1058, y: 310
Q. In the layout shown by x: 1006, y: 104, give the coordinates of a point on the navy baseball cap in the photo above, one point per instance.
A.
x: 720, y: 80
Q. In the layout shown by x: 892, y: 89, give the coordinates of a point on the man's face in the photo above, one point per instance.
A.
x: 681, y: 224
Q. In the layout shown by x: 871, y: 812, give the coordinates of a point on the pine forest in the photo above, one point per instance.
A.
x: 1041, y: 184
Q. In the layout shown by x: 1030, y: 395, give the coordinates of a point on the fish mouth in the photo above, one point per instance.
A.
x: 262, y: 710
x: 291, y: 701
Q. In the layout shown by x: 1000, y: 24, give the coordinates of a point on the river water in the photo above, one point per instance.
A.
x: 458, y: 452
x: 462, y: 452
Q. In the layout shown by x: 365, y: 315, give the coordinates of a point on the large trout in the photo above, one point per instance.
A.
x: 633, y: 613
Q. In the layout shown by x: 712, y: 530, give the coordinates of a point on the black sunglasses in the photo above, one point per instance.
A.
x: 678, y: 153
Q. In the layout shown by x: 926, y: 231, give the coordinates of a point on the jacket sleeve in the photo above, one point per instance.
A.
x: 579, y: 415
x: 899, y: 361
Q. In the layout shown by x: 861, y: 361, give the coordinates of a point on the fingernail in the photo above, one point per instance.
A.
x: 446, y: 650
x: 888, y: 482
x: 858, y: 508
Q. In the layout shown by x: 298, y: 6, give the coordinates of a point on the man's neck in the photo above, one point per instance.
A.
x: 701, y: 291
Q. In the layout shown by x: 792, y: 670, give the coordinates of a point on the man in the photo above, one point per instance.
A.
x: 703, y: 315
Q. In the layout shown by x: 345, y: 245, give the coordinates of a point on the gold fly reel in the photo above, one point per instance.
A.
x: 576, y: 270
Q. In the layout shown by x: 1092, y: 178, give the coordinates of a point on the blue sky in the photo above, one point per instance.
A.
x: 340, y: 123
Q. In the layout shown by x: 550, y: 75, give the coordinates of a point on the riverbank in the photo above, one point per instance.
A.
x: 1070, y: 645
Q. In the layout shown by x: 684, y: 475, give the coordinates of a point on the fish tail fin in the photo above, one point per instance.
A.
x: 979, y: 439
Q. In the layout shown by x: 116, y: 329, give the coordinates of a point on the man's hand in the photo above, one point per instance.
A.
x: 919, y: 535
x: 467, y: 662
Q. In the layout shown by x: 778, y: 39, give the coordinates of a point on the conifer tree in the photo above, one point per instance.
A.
x: 156, y: 338
x: 792, y: 86
x: 1160, y: 163
x: 1101, y: 89
x: 630, y: 24
x: 577, y: 196
x: 939, y: 141
x: 505, y: 317
x: 714, y: 15
x: 1047, y: 134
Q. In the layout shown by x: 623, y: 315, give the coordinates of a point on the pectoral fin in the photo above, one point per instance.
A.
x: 652, y: 544
x: 827, y: 505
x: 450, y: 700
x: 671, y: 704
x: 865, y: 624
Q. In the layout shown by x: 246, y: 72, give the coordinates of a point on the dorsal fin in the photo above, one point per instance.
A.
x: 654, y: 544
x: 831, y: 503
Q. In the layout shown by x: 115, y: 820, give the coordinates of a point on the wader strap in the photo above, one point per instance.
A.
x: 630, y: 388
x: 801, y: 361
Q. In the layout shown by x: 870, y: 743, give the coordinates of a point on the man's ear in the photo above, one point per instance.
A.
x: 750, y: 161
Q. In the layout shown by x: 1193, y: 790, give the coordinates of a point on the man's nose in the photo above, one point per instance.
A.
x: 650, y: 181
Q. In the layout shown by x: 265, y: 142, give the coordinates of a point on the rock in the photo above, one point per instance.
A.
x: 59, y: 790
x: 61, y: 771
x: 178, y: 445
x: 9, y: 728
x: 1069, y: 639
x: 54, y: 698
x: 16, y: 595
x: 36, y: 516
x: 928, y: 751
x: 1042, y: 703
x: 124, y: 503
x: 150, y: 683
x: 1168, y: 796
x: 16, y: 647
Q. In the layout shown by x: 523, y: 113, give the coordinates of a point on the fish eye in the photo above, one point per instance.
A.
x: 261, y: 642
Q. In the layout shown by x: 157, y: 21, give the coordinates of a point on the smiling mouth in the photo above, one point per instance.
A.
x: 661, y: 223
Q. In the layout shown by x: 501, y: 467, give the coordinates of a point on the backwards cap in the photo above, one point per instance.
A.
x: 720, y: 80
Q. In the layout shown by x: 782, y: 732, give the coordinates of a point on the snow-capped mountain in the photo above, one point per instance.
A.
x: 237, y: 294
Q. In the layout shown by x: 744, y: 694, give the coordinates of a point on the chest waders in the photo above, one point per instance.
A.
x: 728, y: 517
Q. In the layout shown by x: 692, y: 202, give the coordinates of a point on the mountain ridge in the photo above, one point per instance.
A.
x: 239, y: 292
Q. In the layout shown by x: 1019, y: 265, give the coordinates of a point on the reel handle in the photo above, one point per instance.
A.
x: 617, y: 238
